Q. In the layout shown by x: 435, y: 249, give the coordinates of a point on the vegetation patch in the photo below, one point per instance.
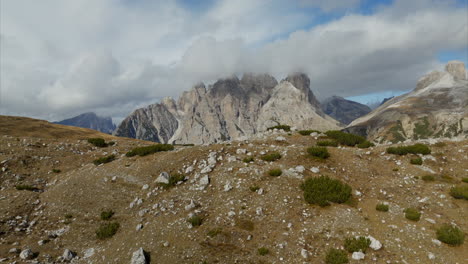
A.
x: 346, y: 139
x: 459, y: 192
x: 56, y: 171
x: 98, y: 142
x: 107, y: 230
x: 356, y: 244
x: 465, y: 180
x: 271, y: 156
x: 254, y: 188
x: 365, y: 144
x: 173, y: 180
x: 106, y: 215
x: 336, y: 256
x: 214, y: 232
x: 451, y: 235
x: 283, y: 127
x: 397, y: 132
x: 323, y: 190
x: 263, y: 251
x: 25, y: 187
x: 428, y: 178
x: 416, y: 161
x: 275, y: 172
x: 412, y: 214
x: 195, y: 220
x: 421, y: 129
x: 143, y: 151
x: 248, y: 159
x: 318, y: 152
x: 308, y: 132
x: 327, y: 143
x: 382, y: 207
x: 103, y: 160
x: 412, y: 149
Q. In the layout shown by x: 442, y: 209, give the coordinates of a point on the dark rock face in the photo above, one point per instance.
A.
x: 344, y: 110
x: 92, y: 121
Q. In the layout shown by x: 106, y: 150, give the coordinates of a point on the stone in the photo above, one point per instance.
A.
x: 190, y: 206
x: 299, y: 169
x: 227, y: 187
x: 68, y: 255
x: 163, y: 178
x: 207, y: 169
x: 139, y: 227
x: 14, y: 251
x: 241, y: 151
x: 358, y: 255
x: 204, y: 181
x: 280, y: 139
x: 145, y: 187
x: 189, y: 169
x: 88, y: 253
x: 26, y: 254
x: 315, y: 170
x: 304, y: 253
x: 430, y: 256
x: 138, y: 257
x: 375, y: 244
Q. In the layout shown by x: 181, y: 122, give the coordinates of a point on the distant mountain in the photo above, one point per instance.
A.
x: 229, y: 109
x: 437, y: 107
x: 92, y: 121
x: 344, y: 110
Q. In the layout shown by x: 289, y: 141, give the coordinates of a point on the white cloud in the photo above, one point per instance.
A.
x: 61, y: 58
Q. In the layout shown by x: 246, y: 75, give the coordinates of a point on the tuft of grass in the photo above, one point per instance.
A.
x: 271, y: 156
x: 56, y: 171
x: 395, y: 169
x: 248, y: 159
x: 107, y: 230
x: 214, y: 232
x: 245, y: 224
x: 68, y: 216
x: 98, y: 142
x: 346, y: 139
x: 412, y: 214
x: 416, y: 161
x: 195, y: 220
x: 357, y: 244
x: 412, y: 149
x: 450, y: 234
x: 465, y: 180
x: 308, y: 132
x: 459, y: 192
x: 25, y: 187
x: 440, y: 144
x: 327, y: 143
x: 323, y: 190
x: 143, y: 151
x: 173, y: 180
x: 365, y: 144
x: 318, y: 152
x: 283, y: 127
x: 275, y: 172
x: 103, y: 160
x: 336, y: 256
x: 254, y: 188
x: 263, y: 251
x: 381, y: 207
x: 428, y: 178
x: 106, y: 215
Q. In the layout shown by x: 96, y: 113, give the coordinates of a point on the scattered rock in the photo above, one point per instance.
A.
x: 163, y: 178
x: 375, y: 244
x: 358, y: 255
x: 304, y: 253
x: 26, y: 254
x: 68, y: 255
x: 315, y: 169
x: 139, y: 257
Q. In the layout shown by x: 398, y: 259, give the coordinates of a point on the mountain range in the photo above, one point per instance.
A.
x: 90, y: 120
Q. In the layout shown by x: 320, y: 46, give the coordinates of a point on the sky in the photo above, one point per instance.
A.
x: 61, y: 58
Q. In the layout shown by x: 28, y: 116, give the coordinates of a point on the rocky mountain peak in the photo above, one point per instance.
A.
x: 258, y: 83
x: 457, y: 69
x: 227, y: 86
x: 302, y: 82
x: 90, y: 120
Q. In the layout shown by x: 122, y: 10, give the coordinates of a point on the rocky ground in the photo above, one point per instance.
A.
x: 241, y: 207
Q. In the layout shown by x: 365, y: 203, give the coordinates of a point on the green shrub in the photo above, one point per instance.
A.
x: 214, y: 232
x: 56, y: 171
x: 450, y: 234
x: 98, y: 142
x: 143, y: 151
x: 412, y: 149
x: 195, y: 220
x: 346, y: 139
x: 248, y: 159
x: 381, y: 207
x: 327, y: 143
x: 365, y: 144
x: 395, y: 169
x: 459, y: 192
x: 275, y: 172
x: 416, y: 161
x: 283, y: 127
x: 357, y: 244
x: 103, y: 160
x: 107, y: 230
x: 412, y: 214
x: 68, y: 216
x: 465, y: 180
x: 308, y: 132
x: 173, y: 180
x: 323, y: 190
x: 106, y: 215
x: 336, y: 256
x: 440, y: 144
x: 254, y: 188
x: 428, y: 177
x: 111, y: 143
x: 25, y: 187
x: 319, y: 152
x: 263, y: 251
x: 271, y: 156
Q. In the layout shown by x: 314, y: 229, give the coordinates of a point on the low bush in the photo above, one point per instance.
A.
x: 107, y: 230
x: 428, y: 178
x: 357, y: 244
x: 98, y: 142
x: 318, y: 152
x: 106, y: 215
x: 323, y: 190
x: 416, y: 161
x: 381, y: 207
x: 263, y: 251
x: 283, y: 127
x: 275, y: 172
x: 248, y: 159
x: 327, y: 143
x: 25, y: 187
x: 459, y: 192
x: 465, y: 180
x: 195, y: 220
x: 440, y: 144
x: 346, y: 139
x: 271, y: 156
x: 56, y: 171
x: 103, y: 160
x: 308, y: 132
x: 336, y: 256
x: 254, y: 188
x: 365, y: 144
x: 143, y: 151
x: 412, y: 214
x: 214, y: 232
x: 412, y: 149
x: 450, y: 234
x: 173, y: 180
